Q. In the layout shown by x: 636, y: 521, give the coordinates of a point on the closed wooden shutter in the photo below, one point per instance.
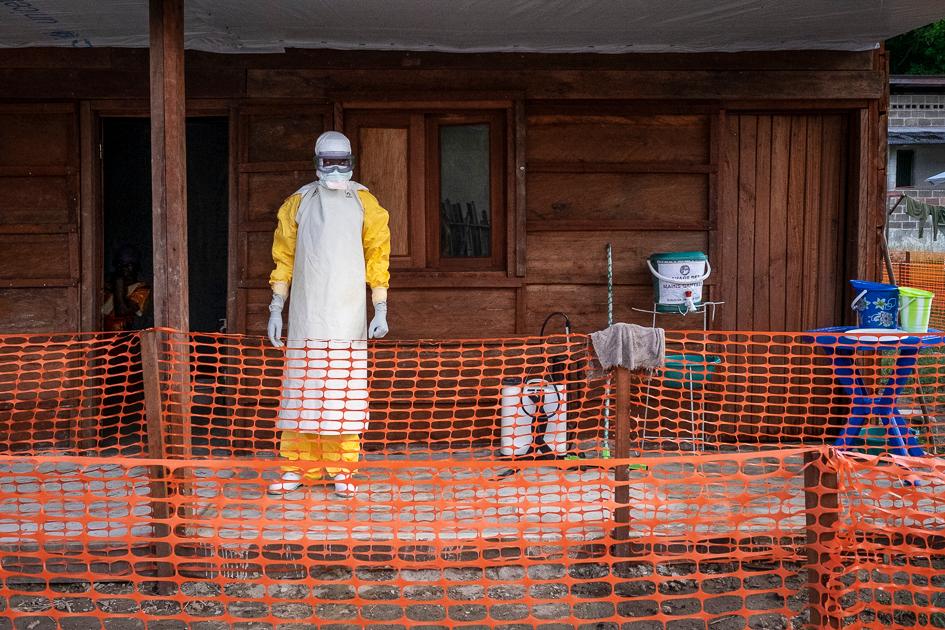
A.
x: 39, y: 230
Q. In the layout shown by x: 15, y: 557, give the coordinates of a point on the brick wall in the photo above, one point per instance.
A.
x: 917, y: 110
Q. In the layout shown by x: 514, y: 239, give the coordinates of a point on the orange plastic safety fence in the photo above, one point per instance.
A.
x: 71, y: 393
x: 165, y: 394
x: 142, y: 482
x: 885, y: 552
x: 926, y: 272
x: 723, y: 390
x: 224, y: 395
x: 718, y: 540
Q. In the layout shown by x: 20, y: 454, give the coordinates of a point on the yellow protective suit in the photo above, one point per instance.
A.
x: 296, y: 446
x: 375, y: 236
x: 327, y: 245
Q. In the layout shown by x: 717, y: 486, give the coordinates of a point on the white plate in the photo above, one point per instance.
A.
x: 876, y: 334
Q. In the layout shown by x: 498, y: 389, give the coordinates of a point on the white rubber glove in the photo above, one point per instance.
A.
x: 378, y: 327
x: 275, y: 320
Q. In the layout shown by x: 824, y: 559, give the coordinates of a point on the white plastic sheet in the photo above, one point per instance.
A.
x: 609, y: 26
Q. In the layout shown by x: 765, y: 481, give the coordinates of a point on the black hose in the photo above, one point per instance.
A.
x: 567, y: 323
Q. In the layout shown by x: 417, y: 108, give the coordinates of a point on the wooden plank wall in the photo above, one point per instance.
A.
x: 763, y: 160
x: 641, y: 182
x: 274, y: 149
x: 772, y: 163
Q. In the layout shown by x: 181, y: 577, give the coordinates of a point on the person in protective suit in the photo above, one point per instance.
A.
x: 332, y: 238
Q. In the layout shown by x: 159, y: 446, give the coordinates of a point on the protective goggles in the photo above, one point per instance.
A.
x: 334, y: 162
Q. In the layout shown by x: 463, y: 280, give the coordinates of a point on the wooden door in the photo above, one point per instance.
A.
x: 39, y: 225
x: 276, y: 145
x: 784, y: 211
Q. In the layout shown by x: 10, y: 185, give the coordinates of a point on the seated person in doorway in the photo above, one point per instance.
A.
x: 332, y: 237
x: 127, y: 304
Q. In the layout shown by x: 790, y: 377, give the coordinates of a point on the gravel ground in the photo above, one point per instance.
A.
x: 633, y: 594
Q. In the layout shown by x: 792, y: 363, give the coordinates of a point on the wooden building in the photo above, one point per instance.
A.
x: 770, y: 161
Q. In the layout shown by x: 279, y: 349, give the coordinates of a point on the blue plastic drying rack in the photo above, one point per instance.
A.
x: 843, y: 348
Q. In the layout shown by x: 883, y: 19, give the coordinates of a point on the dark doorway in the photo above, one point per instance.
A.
x: 126, y: 186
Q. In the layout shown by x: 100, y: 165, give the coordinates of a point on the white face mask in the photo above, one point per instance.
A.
x: 335, y: 181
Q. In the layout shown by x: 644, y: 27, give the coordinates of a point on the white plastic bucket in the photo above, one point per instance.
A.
x: 678, y: 278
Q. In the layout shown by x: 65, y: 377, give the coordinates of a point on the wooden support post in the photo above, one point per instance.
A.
x: 822, y: 500
x: 168, y: 165
x: 153, y: 409
x: 622, y: 452
x: 169, y: 206
x: 157, y: 449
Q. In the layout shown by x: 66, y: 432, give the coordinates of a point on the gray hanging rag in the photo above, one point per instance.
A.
x: 630, y: 346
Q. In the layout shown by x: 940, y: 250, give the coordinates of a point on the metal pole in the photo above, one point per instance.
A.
x: 605, y: 452
x: 610, y: 285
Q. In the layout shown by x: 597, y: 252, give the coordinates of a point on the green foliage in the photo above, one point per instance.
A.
x: 921, y: 51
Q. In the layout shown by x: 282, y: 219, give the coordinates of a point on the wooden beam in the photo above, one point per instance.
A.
x: 168, y: 164
x: 107, y: 59
x: 517, y: 223
x: 153, y: 406
x: 401, y: 83
x: 622, y: 413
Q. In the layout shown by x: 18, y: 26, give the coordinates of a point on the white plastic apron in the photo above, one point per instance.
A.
x: 325, y: 389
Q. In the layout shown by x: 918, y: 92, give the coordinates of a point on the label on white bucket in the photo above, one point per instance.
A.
x: 683, y: 271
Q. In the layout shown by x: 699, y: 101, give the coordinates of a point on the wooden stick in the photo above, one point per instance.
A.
x: 885, y: 236
x: 622, y: 452
x: 153, y: 410
x: 822, y: 501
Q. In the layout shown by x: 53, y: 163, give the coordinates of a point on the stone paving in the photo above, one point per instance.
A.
x: 419, y: 502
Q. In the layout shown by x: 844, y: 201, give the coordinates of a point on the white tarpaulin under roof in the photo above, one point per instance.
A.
x: 477, y: 25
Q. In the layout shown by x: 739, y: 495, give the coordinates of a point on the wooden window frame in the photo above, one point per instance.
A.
x: 496, y: 261
x: 899, y: 171
x: 424, y: 265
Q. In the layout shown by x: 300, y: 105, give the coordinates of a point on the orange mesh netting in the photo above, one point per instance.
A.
x: 135, y: 469
x: 922, y: 270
